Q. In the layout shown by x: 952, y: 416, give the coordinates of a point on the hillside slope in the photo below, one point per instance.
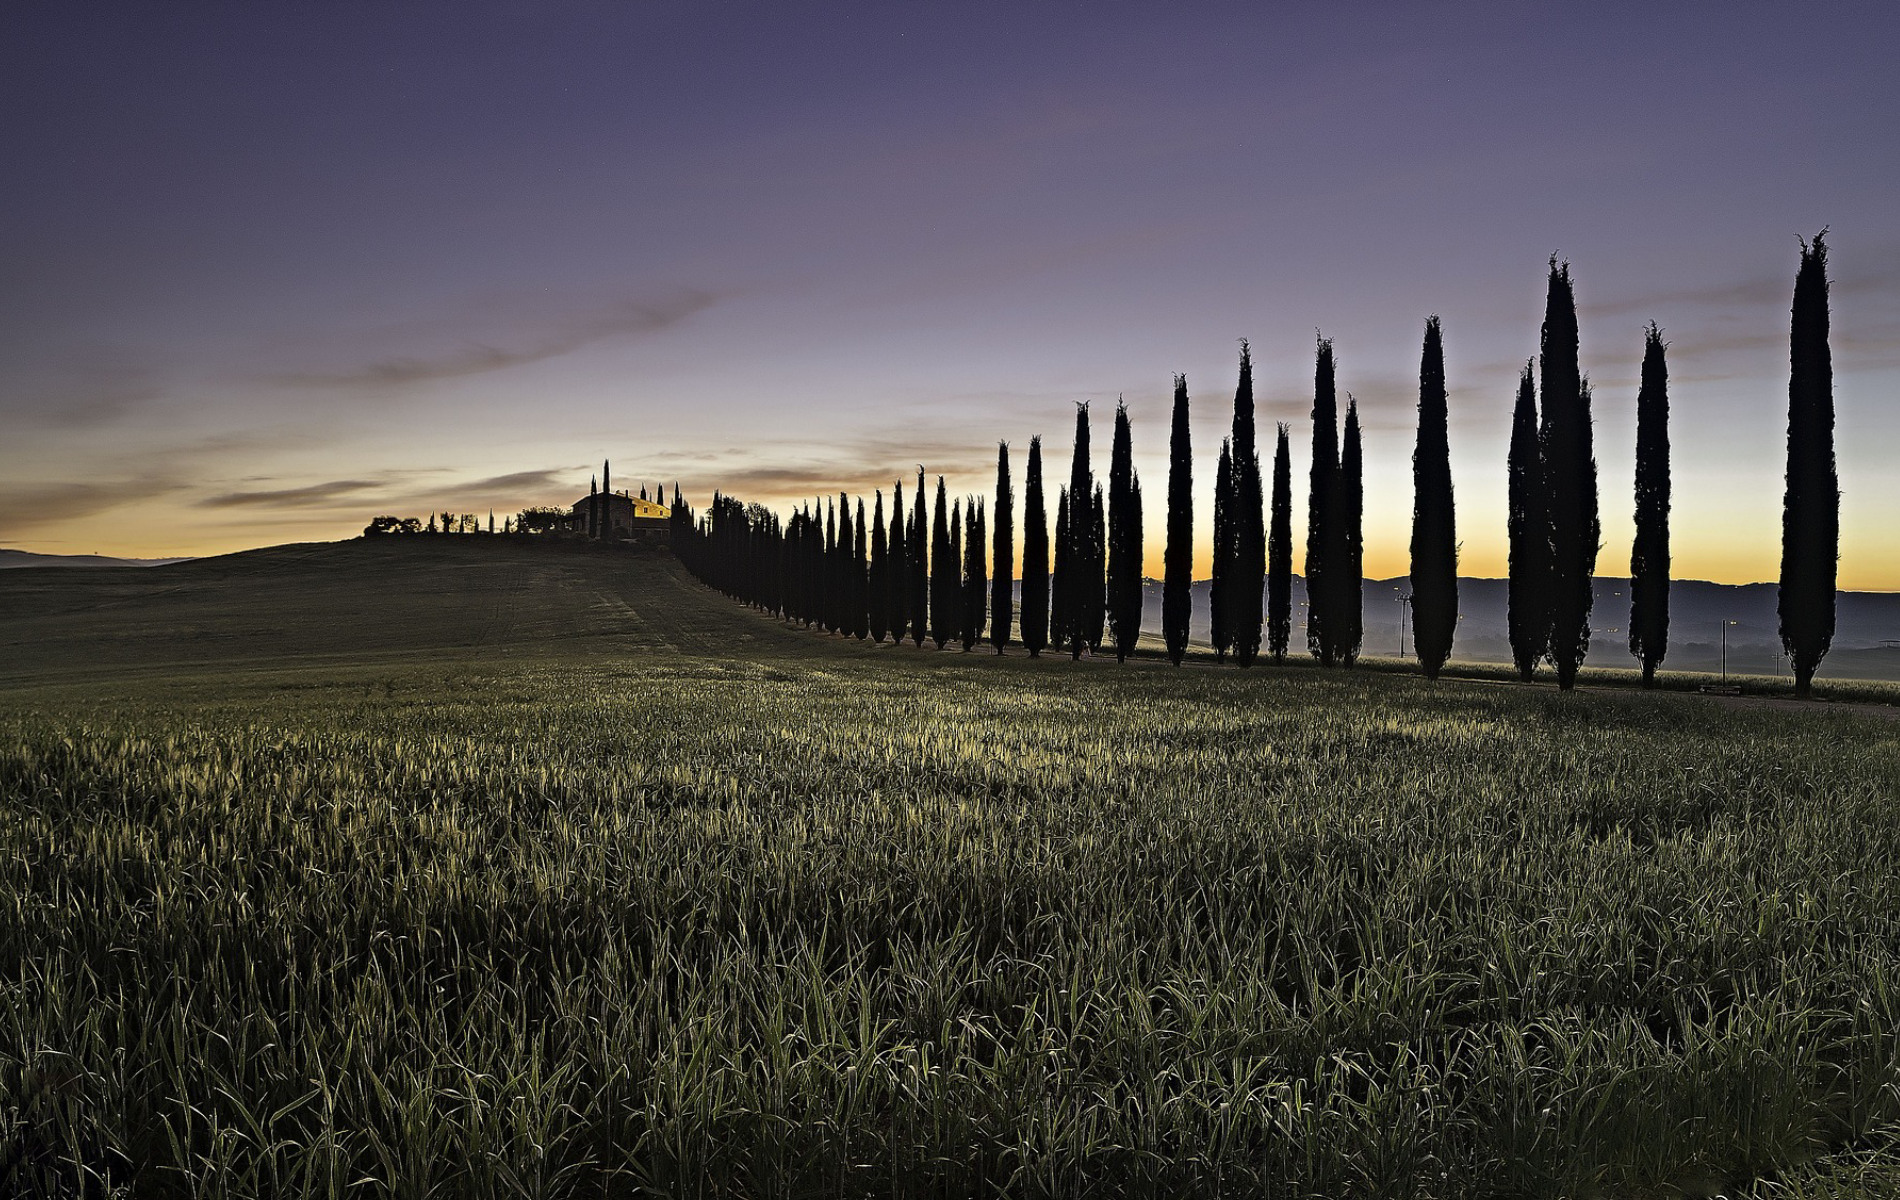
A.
x: 395, y: 597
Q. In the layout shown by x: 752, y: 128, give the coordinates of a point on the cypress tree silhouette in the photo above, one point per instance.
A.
x: 1811, y: 508
x: 897, y: 569
x: 1319, y: 526
x: 1094, y: 580
x: 1003, y: 552
x: 1085, y: 574
x: 860, y: 602
x: 1249, y: 569
x: 975, y: 581
x: 593, y: 508
x: 1177, y: 570
x: 1649, y: 553
x: 919, y: 567
x: 1570, y: 475
x: 1062, y: 579
x: 1434, y: 527
x: 878, y: 578
x: 833, y: 605
x: 1347, y: 620
x: 1529, y: 530
x: 945, y: 574
x: 956, y: 612
x: 1220, y: 600
x: 1280, y: 552
x: 1124, y: 540
x: 1035, y: 556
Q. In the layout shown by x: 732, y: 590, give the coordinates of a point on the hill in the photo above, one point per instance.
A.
x: 364, y: 600
x: 1866, y: 640
x: 26, y: 558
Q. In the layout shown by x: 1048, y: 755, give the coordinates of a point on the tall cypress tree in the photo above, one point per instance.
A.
x: 897, y: 569
x: 1347, y: 618
x: 1177, y: 569
x: 1124, y: 540
x: 832, y: 604
x: 1434, y: 530
x: 1003, y: 552
x: 860, y: 603
x: 1280, y: 552
x: 1649, y: 553
x: 1061, y: 579
x: 1035, y: 556
x: 1095, y: 579
x: 946, y: 574
x: 920, y: 547
x: 1570, y: 472
x: 956, y: 599
x: 1319, y: 494
x: 877, y: 581
x: 1811, y: 508
x: 975, y: 581
x: 1529, y: 530
x: 1249, y: 570
x: 1220, y: 590
x: 1084, y: 578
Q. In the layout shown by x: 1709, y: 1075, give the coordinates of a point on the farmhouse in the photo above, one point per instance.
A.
x: 605, y: 513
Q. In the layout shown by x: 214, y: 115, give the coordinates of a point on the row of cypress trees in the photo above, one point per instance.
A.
x: 926, y: 578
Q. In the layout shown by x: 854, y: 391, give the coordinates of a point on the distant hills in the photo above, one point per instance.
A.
x: 1866, y: 637
x: 26, y: 558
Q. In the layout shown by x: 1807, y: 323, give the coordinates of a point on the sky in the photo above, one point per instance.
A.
x: 267, y: 271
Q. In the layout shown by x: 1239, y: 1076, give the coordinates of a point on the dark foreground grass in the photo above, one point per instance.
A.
x: 802, y: 923
x: 797, y: 927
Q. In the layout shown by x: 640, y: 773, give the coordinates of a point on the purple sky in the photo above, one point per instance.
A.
x: 269, y: 270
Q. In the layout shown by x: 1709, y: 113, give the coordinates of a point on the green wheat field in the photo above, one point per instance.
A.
x: 447, y: 869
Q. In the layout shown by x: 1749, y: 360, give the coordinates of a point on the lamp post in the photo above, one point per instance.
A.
x: 1725, y: 625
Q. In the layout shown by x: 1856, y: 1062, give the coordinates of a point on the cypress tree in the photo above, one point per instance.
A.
x: 956, y: 597
x: 1035, y: 556
x: 1319, y: 526
x: 1249, y: 569
x: 1280, y: 552
x: 945, y: 573
x: 1649, y: 553
x: 1220, y: 593
x: 1085, y: 575
x: 878, y: 580
x: 1061, y: 580
x: 1124, y: 540
x: 1811, y: 508
x: 1347, y: 619
x: 1529, y: 530
x: 1570, y: 479
x: 860, y: 601
x: 1177, y: 570
x: 1094, y: 580
x: 1003, y: 552
x: 919, y: 567
x: 1434, y: 532
x: 897, y: 569
x: 832, y: 604
x: 975, y: 581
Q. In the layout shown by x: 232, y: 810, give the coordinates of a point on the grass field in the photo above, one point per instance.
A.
x: 459, y: 869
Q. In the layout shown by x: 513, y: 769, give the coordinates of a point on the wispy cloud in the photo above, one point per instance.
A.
x: 1765, y: 290
x: 625, y: 319
x: 31, y: 505
x: 310, y: 496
